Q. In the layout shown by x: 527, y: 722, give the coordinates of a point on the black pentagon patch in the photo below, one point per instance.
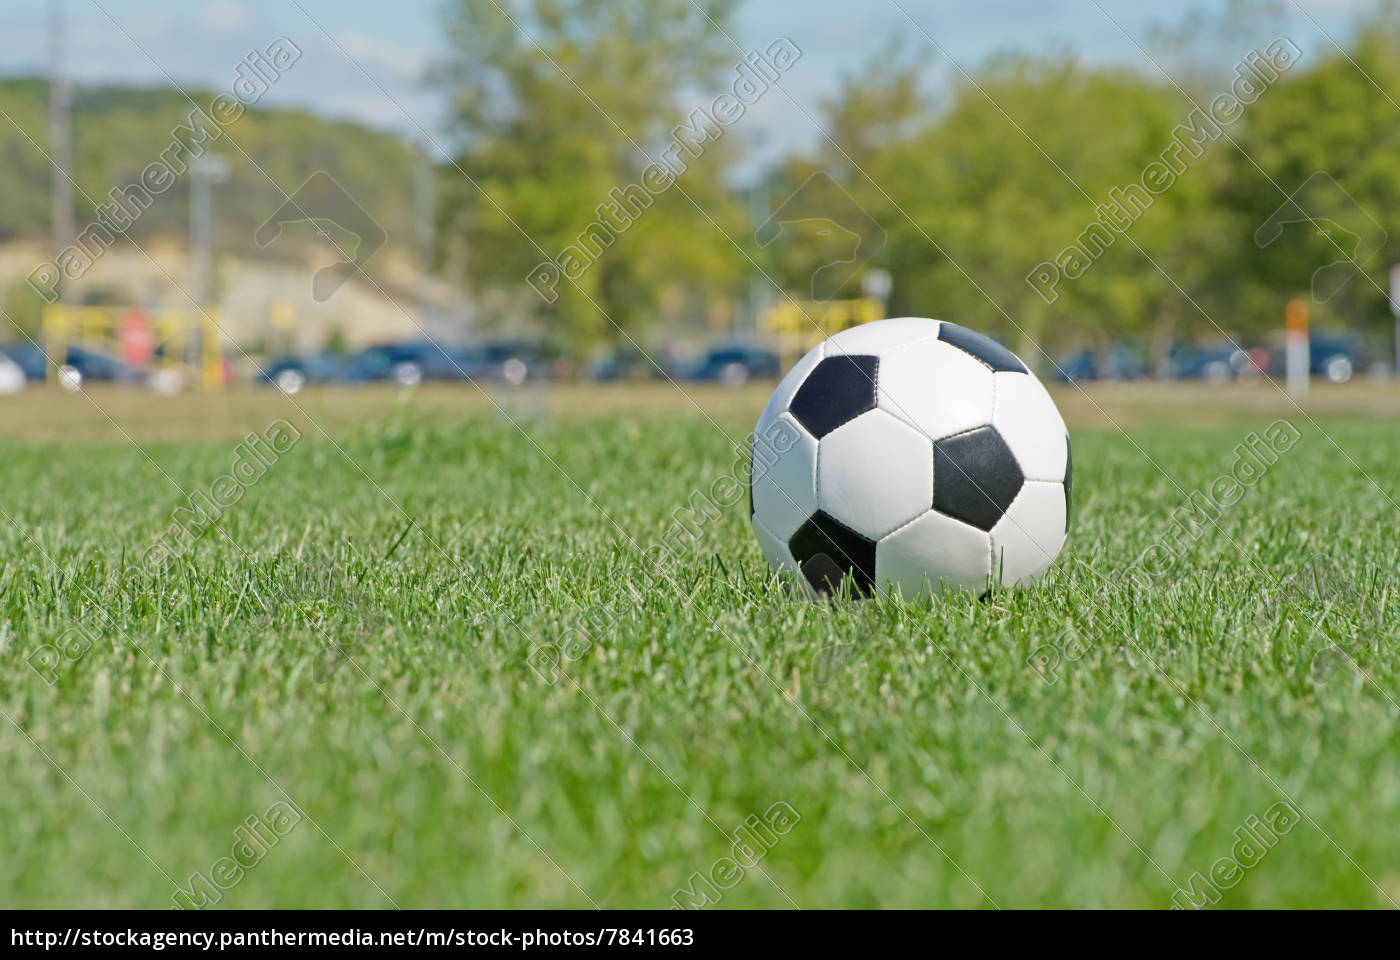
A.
x: 982, y: 347
x: 1069, y: 479
x: 837, y: 390
x: 827, y: 550
x: 975, y: 477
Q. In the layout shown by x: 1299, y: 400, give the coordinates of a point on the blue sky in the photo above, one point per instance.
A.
x: 200, y: 42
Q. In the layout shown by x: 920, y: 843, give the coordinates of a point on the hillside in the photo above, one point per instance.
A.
x: 118, y: 131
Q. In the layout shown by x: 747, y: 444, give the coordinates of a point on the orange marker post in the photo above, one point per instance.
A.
x: 1295, y: 359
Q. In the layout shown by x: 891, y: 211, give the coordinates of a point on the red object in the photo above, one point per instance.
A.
x: 138, y: 343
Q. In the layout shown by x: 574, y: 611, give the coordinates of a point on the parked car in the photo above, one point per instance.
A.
x: 406, y: 364
x: 291, y: 374
x: 409, y: 363
x: 1117, y: 363
x: 82, y: 366
x: 1216, y: 362
x: 1334, y: 356
x: 635, y: 363
x: 28, y: 357
x: 511, y: 361
x: 628, y: 363
x: 735, y: 365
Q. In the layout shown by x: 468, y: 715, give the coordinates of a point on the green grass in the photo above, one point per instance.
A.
x: 930, y: 764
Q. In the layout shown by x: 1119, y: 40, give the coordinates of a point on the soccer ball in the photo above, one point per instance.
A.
x: 910, y: 455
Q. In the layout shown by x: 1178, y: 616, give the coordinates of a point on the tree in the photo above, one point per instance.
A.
x: 561, y: 196
x: 1325, y: 136
x: 828, y: 220
x: 1013, y: 179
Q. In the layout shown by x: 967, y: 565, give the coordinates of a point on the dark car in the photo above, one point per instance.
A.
x: 28, y: 357
x: 1334, y: 356
x: 630, y: 363
x: 292, y: 373
x: 88, y: 366
x: 735, y: 365
x: 1216, y: 362
x: 412, y: 362
x: 514, y: 361
x: 80, y: 365
x: 405, y: 364
x: 1118, y: 362
x: 409, y: 363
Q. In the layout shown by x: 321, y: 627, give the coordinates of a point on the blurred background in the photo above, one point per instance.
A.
x: 279, y: 195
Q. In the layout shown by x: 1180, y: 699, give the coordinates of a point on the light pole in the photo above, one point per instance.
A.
x: 876, y: 284
x: 205, y: 171
x: 423, y: 226
x: 1395, y: 312
x: 60, y: 132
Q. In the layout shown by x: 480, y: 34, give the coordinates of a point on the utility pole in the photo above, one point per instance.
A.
x: 1395, y: 312
x: 423, y: 214
x: 60, y: 133
x: 205, y: 171
x: 758, y: 213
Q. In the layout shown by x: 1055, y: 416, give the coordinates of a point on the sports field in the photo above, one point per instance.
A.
x: 530, y: 704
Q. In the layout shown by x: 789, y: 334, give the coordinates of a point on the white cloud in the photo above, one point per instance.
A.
x: 226, y: 15
x: 376, y: 54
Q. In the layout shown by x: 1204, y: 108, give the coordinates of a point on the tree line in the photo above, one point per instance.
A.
x: 601, y: 185
x: 1038, y: 197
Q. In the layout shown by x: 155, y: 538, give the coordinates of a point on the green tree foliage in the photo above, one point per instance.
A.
x: 24, y: 308
x: 1010, y: 176
x: 1011, y: 172
x: 831, y: 202
x: 546, y: 102
x: 1327, y: 135
x: 969, y: 187
x: 24, y: 189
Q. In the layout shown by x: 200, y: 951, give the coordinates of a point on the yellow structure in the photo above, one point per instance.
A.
x: 799, y: 325
x: 182, y: 342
